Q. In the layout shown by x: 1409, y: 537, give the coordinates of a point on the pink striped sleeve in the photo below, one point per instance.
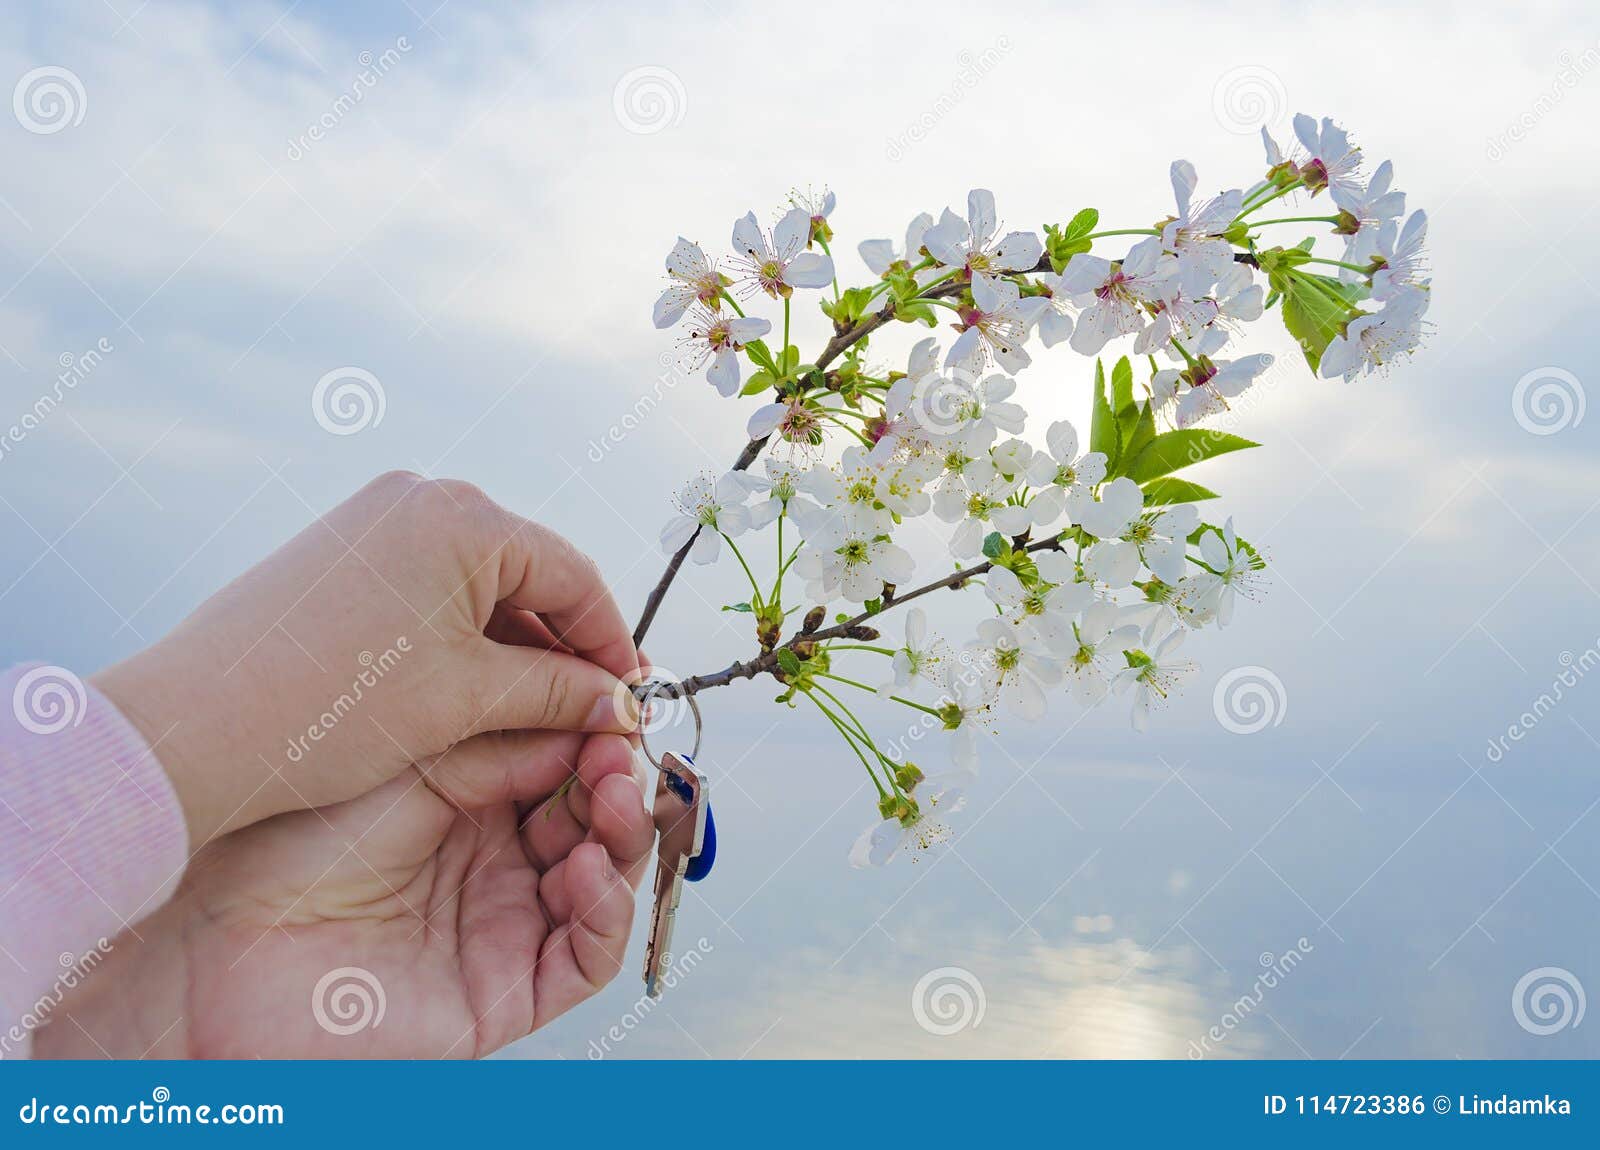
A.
x: 92, y: 836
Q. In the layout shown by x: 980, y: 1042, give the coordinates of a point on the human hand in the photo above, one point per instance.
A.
x: 416, y: 614
x: 476, y: 896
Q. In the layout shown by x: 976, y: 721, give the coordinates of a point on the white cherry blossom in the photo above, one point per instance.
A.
x: 1232, y: 571
x: 779, y: 263
x: 1371, y: 342
x: 694, y: 279
x: 973, y: 244
x: 1099, y: 639
x: 881, y: 256
x: 1062, y: 474
x: 995, y: 326
x: 1331, y: 162
x: 719, y: 337
x: 1402, y: 258
x: 1204, y: 389
x: 937, y: 798
x: 918, y: 659
x: 1195, y: 234
x: 1154, y: 673
x: 1047, y: 609
x: 1117, y: 295
x: 713, y: 508
x: 1020, y: 665
x: 849, y: 555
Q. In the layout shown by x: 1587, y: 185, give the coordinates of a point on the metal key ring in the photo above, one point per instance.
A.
x: 645, y: 700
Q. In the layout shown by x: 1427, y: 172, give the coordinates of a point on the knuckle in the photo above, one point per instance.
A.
x: 395, y: 483
x: 557, y: 698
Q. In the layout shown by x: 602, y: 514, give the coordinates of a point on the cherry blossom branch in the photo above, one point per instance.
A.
x: 835, y: 347
x: 767, y: 661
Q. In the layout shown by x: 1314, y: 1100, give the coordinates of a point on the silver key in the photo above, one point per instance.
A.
x: 680, y: 816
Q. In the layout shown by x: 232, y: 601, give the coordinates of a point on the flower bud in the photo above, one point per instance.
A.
x: 813, y: 620
x: 862, y: 633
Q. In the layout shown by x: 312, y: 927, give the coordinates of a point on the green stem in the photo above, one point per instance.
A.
x: 838, y: 726
x: 861, y: 732
x: 874, y: 690
x: 777, y: 586
x: 734, y: 304
x: 783, y: 355
x: 1258, y: 204
x: 860, y: 647
x: 1124, y: 232
x: 823, y: 244
x: 1296, y: 220
x: 754, y: 588
x: 1362, y: 268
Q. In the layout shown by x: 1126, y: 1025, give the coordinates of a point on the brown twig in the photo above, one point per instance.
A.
x: 762, y: 664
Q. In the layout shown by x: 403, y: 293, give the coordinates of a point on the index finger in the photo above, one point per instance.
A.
x: 541, y: 571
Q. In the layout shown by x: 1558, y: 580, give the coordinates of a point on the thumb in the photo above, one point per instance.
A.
x: 526, y: 688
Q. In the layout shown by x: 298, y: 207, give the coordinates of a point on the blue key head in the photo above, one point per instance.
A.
x: 700, y: 865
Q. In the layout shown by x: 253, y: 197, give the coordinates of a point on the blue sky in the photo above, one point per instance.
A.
x: 483, y: 234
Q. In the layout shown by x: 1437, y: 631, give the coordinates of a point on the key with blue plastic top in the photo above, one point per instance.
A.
x: 685, y: 849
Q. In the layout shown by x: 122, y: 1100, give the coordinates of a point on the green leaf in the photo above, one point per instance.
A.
x: 1315, y: 309
x: 1103, y: 434
x: 995, y: 546
x: 1121, y: 386
x: 745, y: 607
x: 761, y: 355
x: 757, y: 383
x: 1175, y: 450
x: 1140, y: 435
x: 789, y: 661
x: 1162, y: 491
x: 791, y: 359
x: 1062, y: 243
x: 916, y: 311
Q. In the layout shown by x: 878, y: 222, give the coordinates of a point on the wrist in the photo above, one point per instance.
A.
x: 133, y: 1004
x: 151, y: 693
